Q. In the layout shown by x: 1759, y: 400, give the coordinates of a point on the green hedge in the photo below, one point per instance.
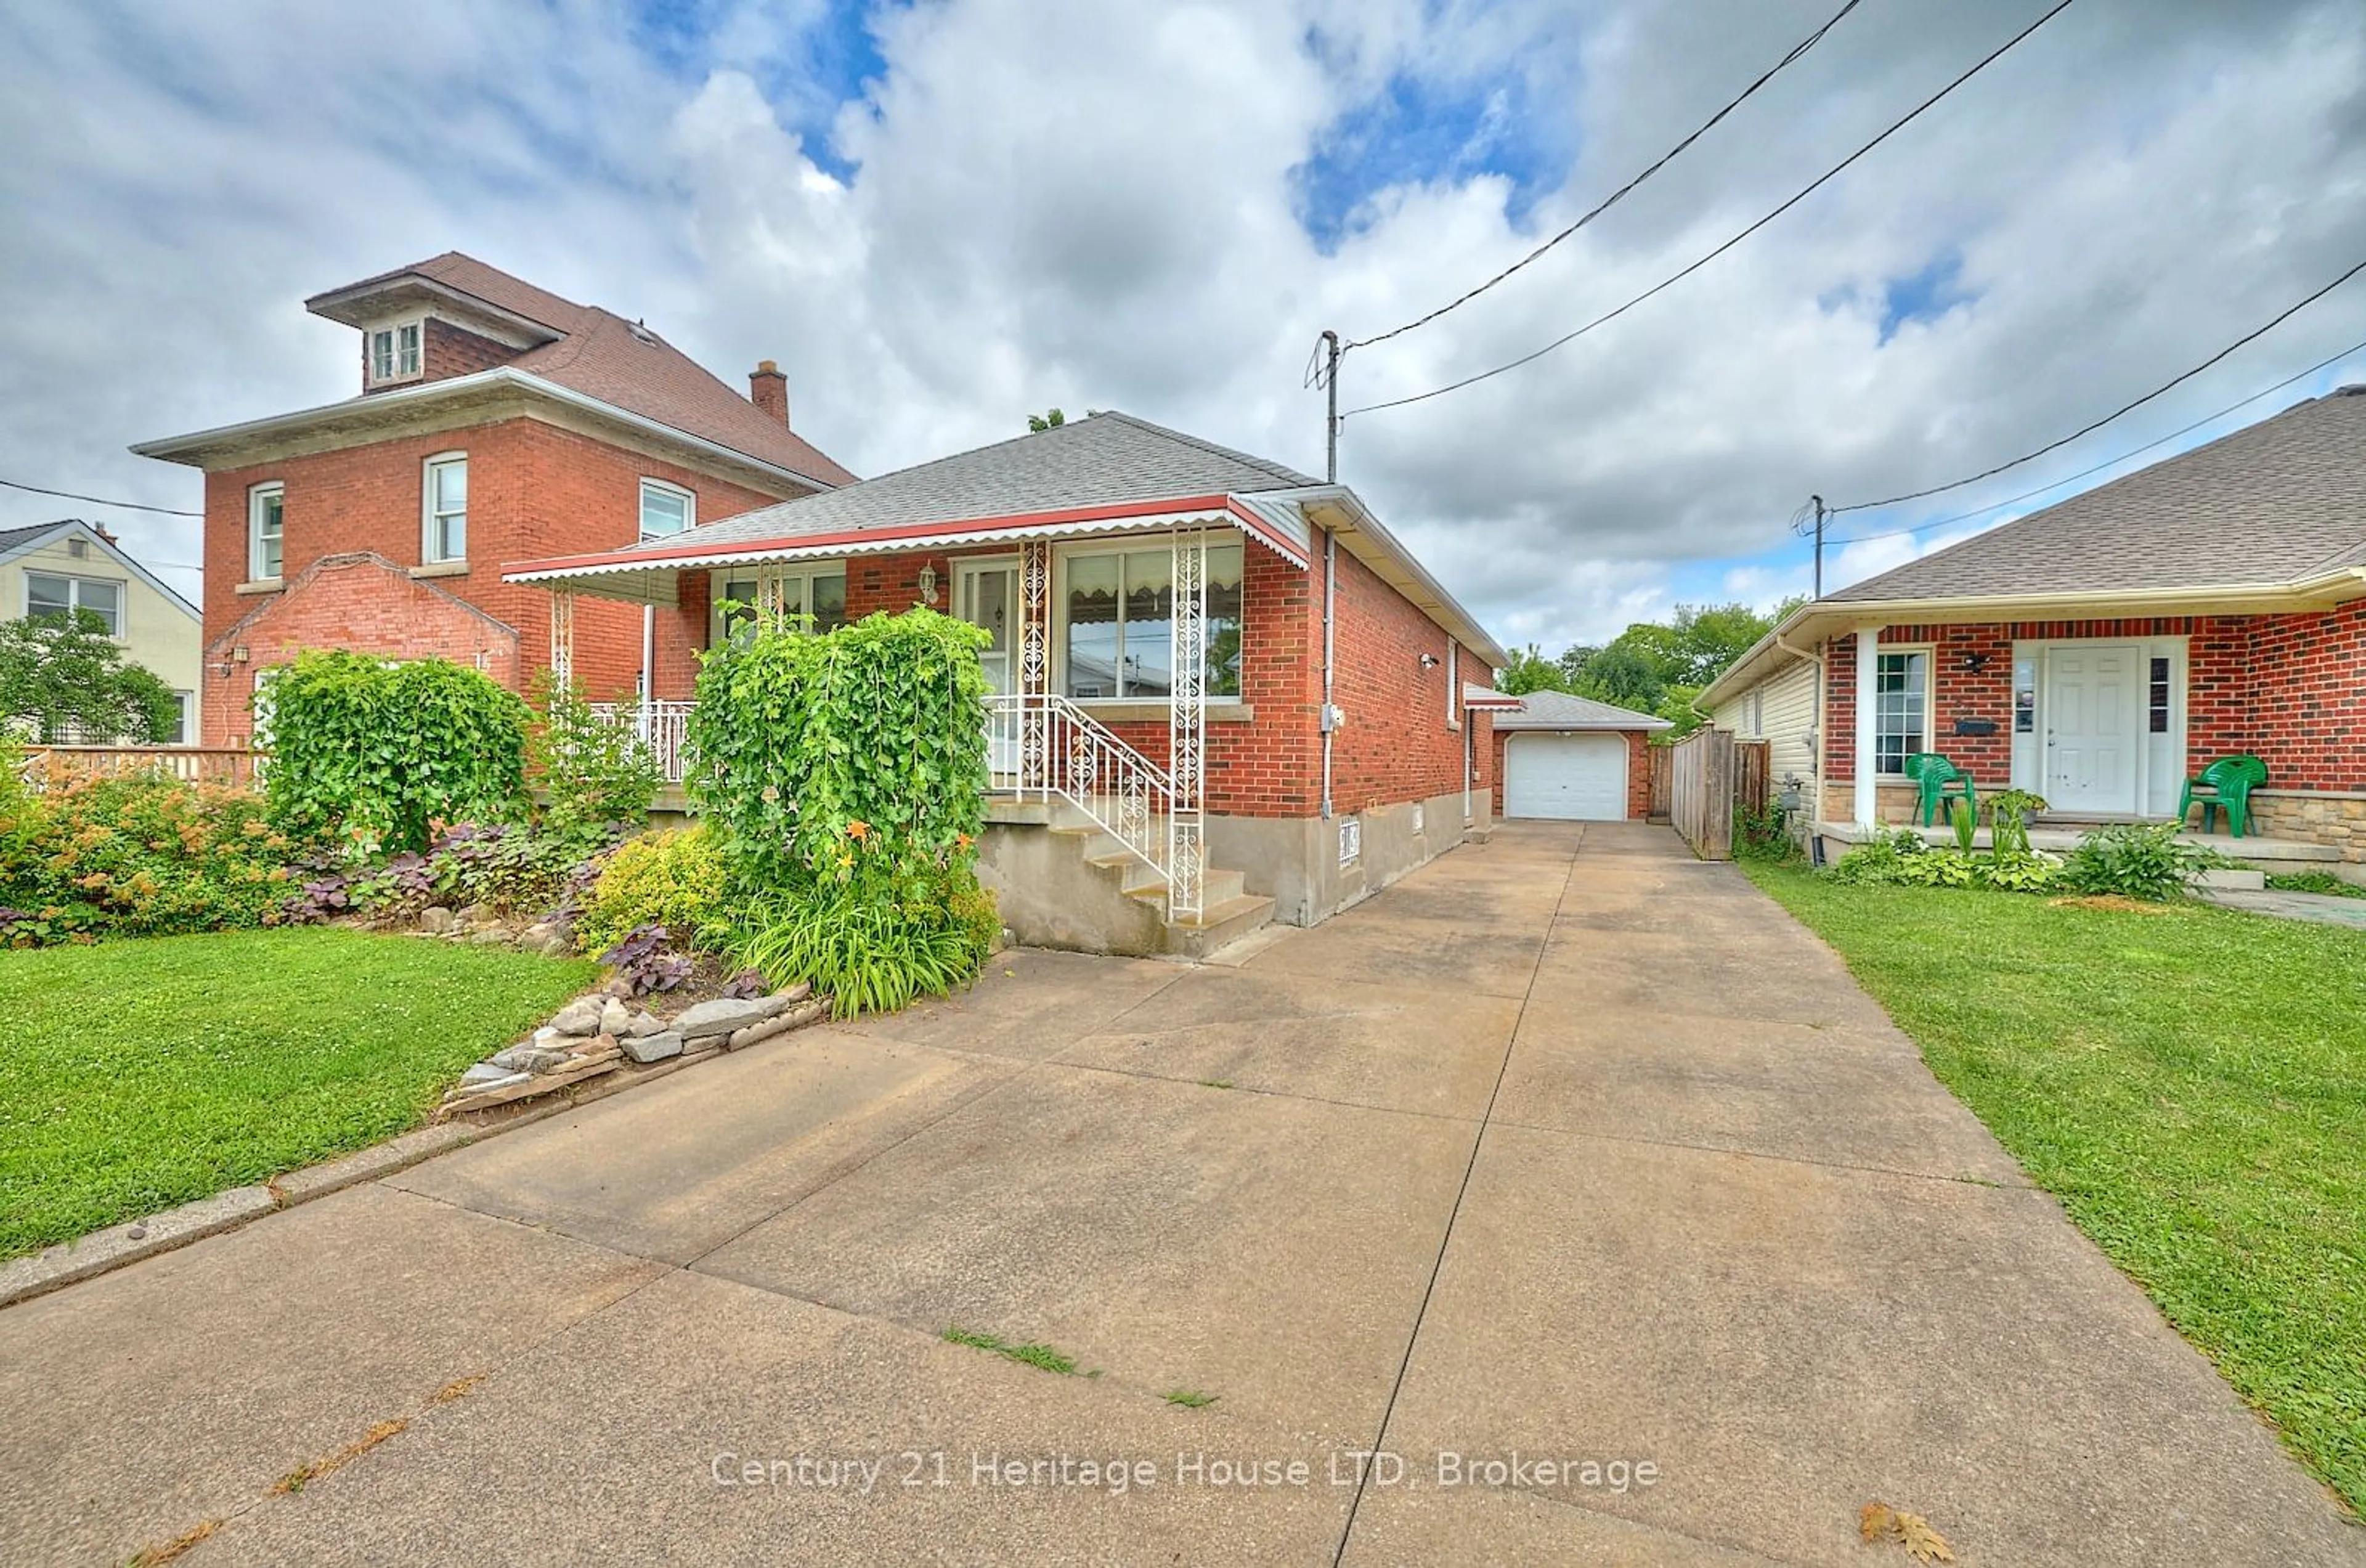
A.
x: 377, y: 753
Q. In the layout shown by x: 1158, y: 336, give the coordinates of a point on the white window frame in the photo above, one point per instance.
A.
x: 75, y: 586
x: 403, y: 361
x: 269, y: 489
x: 1453, y: 685
x: 1065, y: 554
x: 1930, y: 700
x: 429, y: 518
x: 802, y: 573
x: 689, y: 498
x: 187, y: 722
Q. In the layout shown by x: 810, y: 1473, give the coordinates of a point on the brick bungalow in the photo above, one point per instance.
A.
x: 2101, y: 651
x: 1224, y: 692
x: 495, y: 421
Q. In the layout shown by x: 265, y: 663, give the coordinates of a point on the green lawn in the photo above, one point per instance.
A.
x: 2192, y: 1085
x: 142, y: 1074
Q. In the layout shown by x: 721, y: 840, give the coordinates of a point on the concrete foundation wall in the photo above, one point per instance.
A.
x: 1294, y: 861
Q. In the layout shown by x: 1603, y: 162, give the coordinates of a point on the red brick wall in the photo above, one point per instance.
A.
x: 2291, y: 689
x: 1638, y: 771
x: 356, y: 601
x: 533, y: 490
x: 1395, y: 745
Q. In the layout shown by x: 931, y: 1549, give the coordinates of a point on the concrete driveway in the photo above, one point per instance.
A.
x: 1565, y: 1149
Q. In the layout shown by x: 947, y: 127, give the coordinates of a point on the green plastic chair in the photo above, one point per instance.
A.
x: 1939, y: 780
x: 2228, y: 782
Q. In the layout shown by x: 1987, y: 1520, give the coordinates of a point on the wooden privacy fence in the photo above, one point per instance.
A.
x: 1663, y: 779
x: 1751, y: 783
x: 1700, y: 793
x: 45, y: 765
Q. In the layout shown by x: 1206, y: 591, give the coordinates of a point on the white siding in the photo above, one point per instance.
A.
x: 1781, y: 711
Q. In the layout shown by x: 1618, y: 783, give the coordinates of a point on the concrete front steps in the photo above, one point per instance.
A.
x: 1063, y: 882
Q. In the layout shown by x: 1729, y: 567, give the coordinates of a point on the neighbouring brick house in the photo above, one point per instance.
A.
x: 2101, y: 651
x: 1223, y: 691
x: 495, y: 422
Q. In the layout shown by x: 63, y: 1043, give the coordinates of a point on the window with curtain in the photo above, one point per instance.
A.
x: 817, y: 591
x: 1119, y: 610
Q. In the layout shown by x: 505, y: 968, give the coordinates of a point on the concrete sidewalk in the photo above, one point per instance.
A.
x: 1566, y: 1148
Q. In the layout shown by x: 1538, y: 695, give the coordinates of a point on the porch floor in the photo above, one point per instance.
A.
x: 2060, y: 838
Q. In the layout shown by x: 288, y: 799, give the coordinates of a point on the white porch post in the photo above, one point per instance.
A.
x: 562, y: 636
x: 1186, y: 724
x: 1034, y: 665
x: 1868, y: 805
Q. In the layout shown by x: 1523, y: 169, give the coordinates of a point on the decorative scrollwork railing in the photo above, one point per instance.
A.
x: 1041, y: 746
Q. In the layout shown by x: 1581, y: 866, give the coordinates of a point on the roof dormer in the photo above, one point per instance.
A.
x: 449, y: 316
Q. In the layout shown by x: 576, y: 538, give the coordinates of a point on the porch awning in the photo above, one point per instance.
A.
x: 1486, y: 699
x: 645, y: 575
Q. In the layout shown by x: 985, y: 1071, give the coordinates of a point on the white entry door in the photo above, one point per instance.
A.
x: 1580, y: 778
x: 2093, y: 701
x: 986, y: 595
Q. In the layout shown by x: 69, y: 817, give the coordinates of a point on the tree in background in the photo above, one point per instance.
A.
x: 1530, y: 670
x: 63, y: 678
x: 1037, y: 424
x: 1654, y: 667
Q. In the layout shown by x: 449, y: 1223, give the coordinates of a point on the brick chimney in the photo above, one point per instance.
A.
x: 769, y: 389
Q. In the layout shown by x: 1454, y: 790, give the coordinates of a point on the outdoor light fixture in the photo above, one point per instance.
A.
x: 1976, y: 663
x: 928, y: 585
x: 1429, y: 662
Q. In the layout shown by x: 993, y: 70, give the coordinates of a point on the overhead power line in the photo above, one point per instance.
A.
x: 1673, y: 278
x: 2109, y: 462
x: 2125, y: 408
x: 1798, y: 51
x: 101, y: 501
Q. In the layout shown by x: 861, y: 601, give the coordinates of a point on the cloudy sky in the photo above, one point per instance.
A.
x: 939, y: 215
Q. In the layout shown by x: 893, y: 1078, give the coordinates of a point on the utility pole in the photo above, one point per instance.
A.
x: 1331, y: 407
x: 1821, y: 513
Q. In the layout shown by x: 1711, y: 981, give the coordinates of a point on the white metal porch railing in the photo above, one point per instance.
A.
x: 661, y: 724
x: 1041, y: 746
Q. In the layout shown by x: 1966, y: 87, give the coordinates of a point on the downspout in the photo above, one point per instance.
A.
x: 1329, y: 718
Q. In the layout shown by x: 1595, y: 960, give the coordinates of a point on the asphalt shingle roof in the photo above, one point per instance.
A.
x: 1561, y: 710
x: 2276, y: 501
x: 12, y: 537
x: 1105, y: 459
x: 604, y: 356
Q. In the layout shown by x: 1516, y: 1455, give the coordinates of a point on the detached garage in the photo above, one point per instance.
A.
x: 1574, y: 759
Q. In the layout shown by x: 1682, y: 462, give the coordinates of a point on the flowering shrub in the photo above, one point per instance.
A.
x: 846, y: 775
x: 136, y: 857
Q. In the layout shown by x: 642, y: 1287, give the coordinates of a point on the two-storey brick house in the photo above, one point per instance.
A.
x: 495, y: 422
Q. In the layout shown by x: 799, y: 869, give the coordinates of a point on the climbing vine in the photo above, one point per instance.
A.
x: 871, y: 734
x: 377, y: 754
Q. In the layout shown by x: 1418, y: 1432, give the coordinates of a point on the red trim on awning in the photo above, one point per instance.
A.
x: 916, y: 533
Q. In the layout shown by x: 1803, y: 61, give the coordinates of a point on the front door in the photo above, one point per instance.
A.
x: 986, y: 595
x: 2092, y: 705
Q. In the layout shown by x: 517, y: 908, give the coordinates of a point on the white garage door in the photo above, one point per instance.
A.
x: 1580, y: 778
